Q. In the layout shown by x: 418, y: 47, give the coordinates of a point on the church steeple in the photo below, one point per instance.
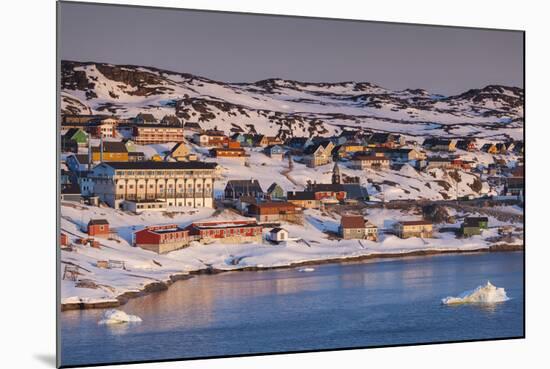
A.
x: 335, y: 174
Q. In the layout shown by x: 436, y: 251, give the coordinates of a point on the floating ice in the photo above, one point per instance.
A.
x: 302, y: 270
x: 486, y: 294
x: 114, y: 316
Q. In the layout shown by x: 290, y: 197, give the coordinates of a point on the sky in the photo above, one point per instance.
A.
x: 233, y: 47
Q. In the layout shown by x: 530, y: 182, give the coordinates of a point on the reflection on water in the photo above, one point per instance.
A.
x: 337, y: 305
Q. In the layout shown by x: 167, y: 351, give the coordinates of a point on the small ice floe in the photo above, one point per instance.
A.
x: 114, y: 316
x: 305, y: 270
x: 487, y: 294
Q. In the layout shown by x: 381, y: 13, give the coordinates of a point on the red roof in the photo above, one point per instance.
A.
x: 352, y: 221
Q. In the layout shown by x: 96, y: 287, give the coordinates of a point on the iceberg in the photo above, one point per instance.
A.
x: 303, y: 270
x: 114, y: 316
x: 487, y: 294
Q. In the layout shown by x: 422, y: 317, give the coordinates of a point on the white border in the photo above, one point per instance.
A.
x: 28, y: 186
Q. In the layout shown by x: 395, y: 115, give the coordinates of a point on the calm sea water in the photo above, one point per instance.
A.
x: 363, y: 304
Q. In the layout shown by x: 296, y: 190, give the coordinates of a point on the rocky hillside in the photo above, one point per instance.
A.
x: 276, y: 106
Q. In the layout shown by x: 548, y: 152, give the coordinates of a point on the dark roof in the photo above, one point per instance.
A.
x: 474, y: 221
x: 97, y: 221
x: 352, y: 221
x: 156, y: 125
x: 273, y: 186
x: 147, y: 117
x: 312, y: 148
x: 277, y: 230
x: 192, y: 125
x: 244, y: 185
x: 436, y: 141
x: 171, y: 119
x: 415, y: 222
x: 323, y: 187
x: 72, y: 131
x: 355, y: 191
x: 136, y: 153
x: 297, y: 140
x: 111, y: 146
x: 71, y: 188
x: 301, y: 195
x: 160, y: 165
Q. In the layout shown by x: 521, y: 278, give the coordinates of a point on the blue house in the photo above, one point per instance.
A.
x: 274, y: 151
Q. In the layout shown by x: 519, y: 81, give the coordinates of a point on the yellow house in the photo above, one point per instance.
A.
x: 112, y: 151
x: 180, y: 151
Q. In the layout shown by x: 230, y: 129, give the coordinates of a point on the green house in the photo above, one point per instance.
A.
x: 473, y: 226
x: 74, y: 138
x: 276, y: 192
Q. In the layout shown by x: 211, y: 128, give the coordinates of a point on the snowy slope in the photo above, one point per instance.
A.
x: 291, y: 108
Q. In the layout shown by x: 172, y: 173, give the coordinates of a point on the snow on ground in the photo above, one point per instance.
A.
x: 144, y: 267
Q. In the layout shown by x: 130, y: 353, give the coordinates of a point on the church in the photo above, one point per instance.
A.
x: 338, y: 190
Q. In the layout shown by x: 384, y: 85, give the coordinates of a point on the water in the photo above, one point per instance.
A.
x: 395, y: 301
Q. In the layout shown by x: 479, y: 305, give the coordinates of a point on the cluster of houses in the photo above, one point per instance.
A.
x: 101, y: 164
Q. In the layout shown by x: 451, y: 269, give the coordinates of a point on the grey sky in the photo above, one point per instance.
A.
x: 244, y: 48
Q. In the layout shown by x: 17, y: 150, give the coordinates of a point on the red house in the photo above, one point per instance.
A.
x: 98, y: 227
x: 162, y: 238
x: 233, y: 231
x: 274, y: 211
x: 64, y: 239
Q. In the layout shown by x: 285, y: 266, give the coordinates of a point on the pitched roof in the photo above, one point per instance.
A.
x: 244, y: 185
x: 97, y: 221
x: 415, y: 222
x: 474, y: 221
x: 111, y: 146
x: 160, y: 165
x: 147, y: 117
x: 170, y: 119
x: 272, y: 187
x: 277, y: 230
x: 352, y: 221
x: 301, y: 195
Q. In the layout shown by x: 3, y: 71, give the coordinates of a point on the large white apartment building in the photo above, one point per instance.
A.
x: 174, y: 183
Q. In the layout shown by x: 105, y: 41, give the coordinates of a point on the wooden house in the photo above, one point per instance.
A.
x: 439, y: 144
x: 211, y: 138
x: 303, y: 199
x: 366, y: 161
x: 110, y: 151
x: 274, y: 151
x: 230, y: 231
x: 180, y: 152
x: 274, y: 211
x: 490, y: 148
x: 472, y: 226
x: 74, y: 139
x: 275, y: 192
x: 277, y: 235
x: 98, y: 228
x: 415, y: 228
x: 318, y: 154
x: 238, y: 188
x: 162, y: 238
x: 356, y: 227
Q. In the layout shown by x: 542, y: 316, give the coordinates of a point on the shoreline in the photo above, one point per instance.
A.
x: 164, y: 285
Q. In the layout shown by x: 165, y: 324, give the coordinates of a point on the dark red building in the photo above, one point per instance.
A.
x: 98, y: 227
x: 162, y: 238
x: 232, y: 231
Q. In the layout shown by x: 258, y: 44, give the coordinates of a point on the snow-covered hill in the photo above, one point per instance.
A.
x: 289, y: 108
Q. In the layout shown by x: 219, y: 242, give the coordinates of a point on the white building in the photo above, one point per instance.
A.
x: 277, y: 235
x: 188, y: 184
